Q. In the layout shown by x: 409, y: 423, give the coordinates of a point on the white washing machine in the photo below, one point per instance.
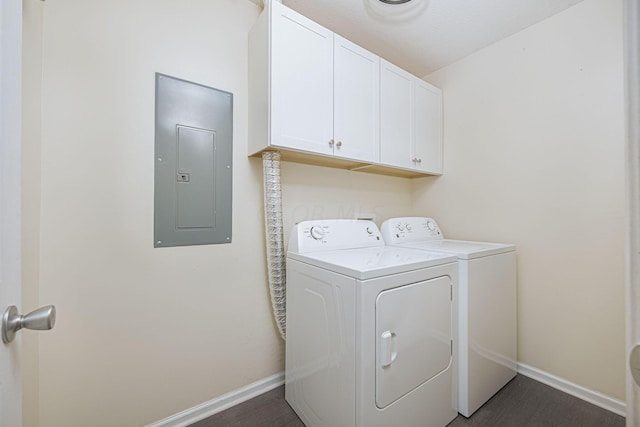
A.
x: 371, y: 329
x: 487, y: 322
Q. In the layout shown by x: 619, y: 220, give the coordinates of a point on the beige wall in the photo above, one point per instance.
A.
x: 145, y: 333
x: 534, y: 156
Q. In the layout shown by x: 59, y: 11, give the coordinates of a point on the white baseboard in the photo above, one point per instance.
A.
x: 250, y: 391
x: 221, y: 403
x: 598, y: 399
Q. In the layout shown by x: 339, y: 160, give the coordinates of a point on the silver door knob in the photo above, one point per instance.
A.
x: 41, y: 319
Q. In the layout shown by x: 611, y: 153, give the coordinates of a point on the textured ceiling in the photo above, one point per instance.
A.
x: 425, y: 35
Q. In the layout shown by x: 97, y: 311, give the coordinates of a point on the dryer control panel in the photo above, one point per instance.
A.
x: 410, y: 229
x: 332, y: 234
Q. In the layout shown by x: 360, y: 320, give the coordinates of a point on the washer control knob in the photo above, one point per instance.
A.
x: 317, y: 233
x: 369, y: 230
x: 407, y: 226
x: 431, y: 226
x: 400, y: 227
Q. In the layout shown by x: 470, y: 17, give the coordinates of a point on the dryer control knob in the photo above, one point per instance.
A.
x: 400, y: 227
x: 317, y: 233
x: 431, y: 226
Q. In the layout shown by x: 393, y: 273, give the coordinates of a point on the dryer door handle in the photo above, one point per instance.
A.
x: 388, y: 348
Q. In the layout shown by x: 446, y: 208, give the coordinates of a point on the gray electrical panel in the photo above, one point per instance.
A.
x: 193, y: 164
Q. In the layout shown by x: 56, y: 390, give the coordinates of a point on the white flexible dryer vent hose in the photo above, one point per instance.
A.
x: 276, y: 267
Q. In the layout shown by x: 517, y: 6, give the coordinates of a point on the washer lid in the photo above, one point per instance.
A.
x: 463, y: 249
x: 367, y: 263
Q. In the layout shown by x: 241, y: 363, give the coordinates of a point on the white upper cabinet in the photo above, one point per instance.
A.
x: 356, y: 102
x: 321, y: 92
x: 410, y: 121
x: 312, y: 92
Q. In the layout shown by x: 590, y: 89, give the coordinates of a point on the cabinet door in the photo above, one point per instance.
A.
x: 301, y: 82
x: 427, y: 135
x: 356, y: 101
x: 396, y: 115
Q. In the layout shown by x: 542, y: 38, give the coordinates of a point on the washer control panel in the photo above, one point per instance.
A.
x: 410, y: 229
x: 324, y: 235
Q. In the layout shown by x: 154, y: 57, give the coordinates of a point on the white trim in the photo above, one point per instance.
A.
x: 219, y: 404
x: 598, y: 399
x: 10, y: 200
x: 632, y: 156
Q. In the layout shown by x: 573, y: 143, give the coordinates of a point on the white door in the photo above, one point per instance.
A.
x: 427, y: 135
x: 301, y: 82
x: 10, y: 107
x: 396, y: 115
x: 356, y: 95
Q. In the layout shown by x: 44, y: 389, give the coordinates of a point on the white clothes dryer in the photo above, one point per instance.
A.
x: 487, y: 318
x: 371, y: 329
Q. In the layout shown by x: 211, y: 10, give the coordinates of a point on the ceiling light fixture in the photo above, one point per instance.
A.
x: 396, y: 11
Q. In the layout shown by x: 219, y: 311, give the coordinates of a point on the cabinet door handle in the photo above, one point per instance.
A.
x: 419, y: 161
x: 339, y: 144
x: 331, y: 143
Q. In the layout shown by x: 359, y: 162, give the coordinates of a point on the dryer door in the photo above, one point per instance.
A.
x: 413, y: 337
